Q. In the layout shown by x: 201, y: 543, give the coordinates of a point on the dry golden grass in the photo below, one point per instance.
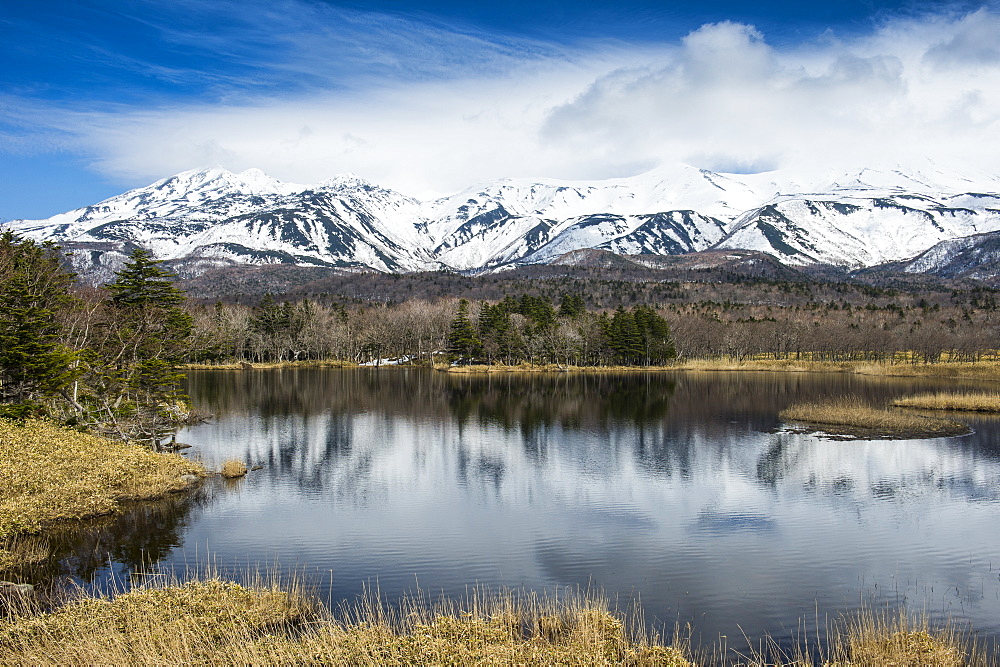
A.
x: 854, y: 417
x: 53, y: 473
x: 179, y: 624
x: 984, y: 370
x: 216, y: 622
x: 233, y: 468
x: 545, y: 368
x: 870, y: 639
x: 237, y: 365
x: 942, y: 400
x: 211, y: 621
x: 767, y: 365
x: 21, y: 551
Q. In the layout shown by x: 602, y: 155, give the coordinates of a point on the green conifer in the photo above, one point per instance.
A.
x: 462, y: 340
x: 34, y: 288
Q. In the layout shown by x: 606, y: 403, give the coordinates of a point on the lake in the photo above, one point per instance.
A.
x: 682, y: 490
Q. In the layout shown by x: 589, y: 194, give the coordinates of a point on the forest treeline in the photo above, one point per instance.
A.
x: 838, y: 322
x: 525, y: 329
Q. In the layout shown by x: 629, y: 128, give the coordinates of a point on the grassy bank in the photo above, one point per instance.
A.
x: 217, y: 622
x: 53, y: 473
x: 851, y: 416
x: 942, y: 400
x: 245, y: 365
x: 986, y: 370
x: 983, y: 370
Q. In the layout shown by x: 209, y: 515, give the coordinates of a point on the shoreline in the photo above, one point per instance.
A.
x: 55, y: 474
x: 983, y: 370
x: 272, y: 628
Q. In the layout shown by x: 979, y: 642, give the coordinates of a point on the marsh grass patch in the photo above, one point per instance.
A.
x: 850, y: 416
x: 54, y: 473
x: 233, y: 468
x: 968, y: 401
x: 211, y: 621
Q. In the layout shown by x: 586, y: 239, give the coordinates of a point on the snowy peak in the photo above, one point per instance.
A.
x: 211, y: 216
x: 215, y: 182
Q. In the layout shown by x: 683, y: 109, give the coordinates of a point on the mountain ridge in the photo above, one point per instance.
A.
x: 213, y: 217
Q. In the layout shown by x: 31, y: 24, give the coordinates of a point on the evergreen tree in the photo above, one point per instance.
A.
x: 143, y: 283
x: 538, y: 310
x: 654, y: 331
x: 146, y: 311
x: 571, y: 305
x: 133, y: 371
x: 625, y: 338
x: 462, y: 340
x: 34, y: 288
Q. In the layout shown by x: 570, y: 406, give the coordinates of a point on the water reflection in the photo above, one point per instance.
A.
x: 683, y: 488
x: 116, y: 545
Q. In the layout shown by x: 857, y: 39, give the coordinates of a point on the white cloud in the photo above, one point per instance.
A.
x: 722, y: 98
x: 726, y: 99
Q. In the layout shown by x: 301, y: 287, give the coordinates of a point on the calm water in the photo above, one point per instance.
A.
x: 681, y: 489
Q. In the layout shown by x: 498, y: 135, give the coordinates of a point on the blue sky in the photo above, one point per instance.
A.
x: 100, y: 96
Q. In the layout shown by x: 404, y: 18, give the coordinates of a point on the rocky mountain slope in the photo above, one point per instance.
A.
x: 208, y: 218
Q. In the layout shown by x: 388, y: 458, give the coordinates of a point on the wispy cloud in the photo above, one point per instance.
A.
x: 313, y: 90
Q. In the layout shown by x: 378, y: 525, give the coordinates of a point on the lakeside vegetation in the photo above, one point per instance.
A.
x: 943, y: 400
x: 988, y: 370
x: 54, y: 473
x: 711, y: 315
x: 851, y: 416
x: 233, y: 468
x: 102, y: 359
x: 109, y: 358
x: 211, y: 621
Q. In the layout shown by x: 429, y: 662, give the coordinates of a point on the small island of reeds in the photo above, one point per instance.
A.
x: 853, y: 417
x: 943, y: 400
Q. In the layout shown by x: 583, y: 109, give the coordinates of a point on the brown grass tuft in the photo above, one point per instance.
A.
x: 873, y: 639
x: 211, y: 621
x: 852, y: 416
x: 233, y: 468
x: 983, y: 370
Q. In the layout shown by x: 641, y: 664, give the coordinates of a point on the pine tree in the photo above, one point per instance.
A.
x: 625, y: 338
x: 654, y: 331
x: 134, y: 369
x: 462, y: 340
x: 571, y: 305
x: 34, y: 288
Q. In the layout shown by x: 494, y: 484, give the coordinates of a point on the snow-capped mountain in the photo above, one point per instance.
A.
x: 976, y: 257
x: 869, y: 218
x: 212, y: 217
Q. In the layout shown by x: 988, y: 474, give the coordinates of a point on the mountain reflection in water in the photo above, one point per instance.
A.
x: 681, y: 488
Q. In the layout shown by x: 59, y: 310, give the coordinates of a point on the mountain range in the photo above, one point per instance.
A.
x: 927, y: 220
